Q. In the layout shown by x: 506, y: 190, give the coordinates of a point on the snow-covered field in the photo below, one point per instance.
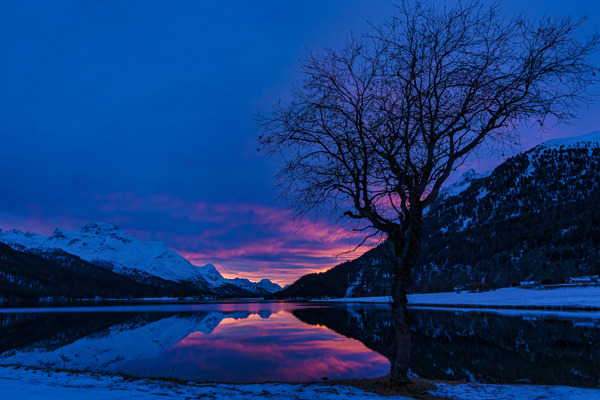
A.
x: 514, y: 392
x: 562, y: 297
x: 33, y: 384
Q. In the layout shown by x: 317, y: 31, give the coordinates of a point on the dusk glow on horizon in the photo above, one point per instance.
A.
x: 141, y: 114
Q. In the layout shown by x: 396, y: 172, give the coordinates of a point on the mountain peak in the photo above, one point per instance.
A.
x: 592, y: 137
x: 106, y: 245
x: 463, y: 183
x: 58, y: 234
x: 99, y: 227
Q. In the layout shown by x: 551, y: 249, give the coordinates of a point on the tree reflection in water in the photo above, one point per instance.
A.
x: 275, y: 341
x: 479, y: 346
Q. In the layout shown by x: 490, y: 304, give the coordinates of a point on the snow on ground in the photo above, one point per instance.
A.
x: 514, y: 392
x: 567, y: 297
x: 33, y: 384
x: 22, y: 383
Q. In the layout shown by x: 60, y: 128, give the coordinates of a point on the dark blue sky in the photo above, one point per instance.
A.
x: 140, y: 113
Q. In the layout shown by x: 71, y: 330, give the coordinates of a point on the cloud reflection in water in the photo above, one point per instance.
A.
x: 263, y: 348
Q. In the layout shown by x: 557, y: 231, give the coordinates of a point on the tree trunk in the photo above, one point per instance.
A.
x: 406, y: 248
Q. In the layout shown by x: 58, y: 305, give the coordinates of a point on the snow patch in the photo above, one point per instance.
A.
x: 463, y: 183
x: 36, y: 384
x: 585, y: 297
x: 592, y: 138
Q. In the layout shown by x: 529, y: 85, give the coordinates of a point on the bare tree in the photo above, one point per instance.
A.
x: 374, y: 129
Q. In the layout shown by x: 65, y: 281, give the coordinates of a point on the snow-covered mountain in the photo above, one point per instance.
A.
x: 466, y: 179
x: 264, y: 284
x: 589, y: 141
x: 106, y: 245
x: 28, y: 276
x: 535, y: 217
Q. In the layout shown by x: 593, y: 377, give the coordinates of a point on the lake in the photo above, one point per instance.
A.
x: 303, y: 342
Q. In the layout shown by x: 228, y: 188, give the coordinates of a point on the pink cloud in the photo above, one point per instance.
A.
x: 254, y: 241
x: 248, y: 240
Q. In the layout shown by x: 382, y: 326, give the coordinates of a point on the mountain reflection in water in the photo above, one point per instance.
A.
x: 257, y: 342
x: 213, y: 345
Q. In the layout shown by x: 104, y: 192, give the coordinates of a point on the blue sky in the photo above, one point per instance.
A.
x: 140, y: 113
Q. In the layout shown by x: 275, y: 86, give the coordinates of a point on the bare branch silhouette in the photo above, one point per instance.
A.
x: 376, y: 128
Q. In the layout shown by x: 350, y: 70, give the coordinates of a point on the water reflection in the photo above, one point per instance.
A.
x: 277, y: 349
x: 255, y: 342
x: 477, y: 346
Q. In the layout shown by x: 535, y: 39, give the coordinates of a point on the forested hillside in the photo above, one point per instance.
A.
x: 535, y: 217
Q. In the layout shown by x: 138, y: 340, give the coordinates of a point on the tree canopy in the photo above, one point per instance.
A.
x: 376, y: 127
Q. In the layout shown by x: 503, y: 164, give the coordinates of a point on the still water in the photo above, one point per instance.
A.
x: 296, y: 342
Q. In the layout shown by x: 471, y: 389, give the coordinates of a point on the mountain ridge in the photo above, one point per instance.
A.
x: 534, y: 217
x: 105, y: 245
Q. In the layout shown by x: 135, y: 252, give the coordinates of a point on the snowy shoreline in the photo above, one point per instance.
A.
x: 561, y: 298
x: 21, y: 382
